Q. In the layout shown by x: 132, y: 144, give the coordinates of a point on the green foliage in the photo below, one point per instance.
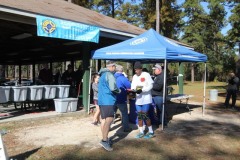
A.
x: 130, y: 13
x: 170, y: 19
x: 107, y: 7
x: 199, y: 28
x: 203, y: 31
x: 84, y: 3
x: 234, y: 20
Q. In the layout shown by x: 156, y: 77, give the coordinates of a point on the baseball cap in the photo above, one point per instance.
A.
x: 157, y: 66
x: 111, y: 63
x: 138, y: 65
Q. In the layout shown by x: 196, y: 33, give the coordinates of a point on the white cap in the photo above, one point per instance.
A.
x: 157, y: 66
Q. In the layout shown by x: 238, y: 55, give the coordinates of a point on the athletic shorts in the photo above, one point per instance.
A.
x: 142, y: 108
x: 106, y: 111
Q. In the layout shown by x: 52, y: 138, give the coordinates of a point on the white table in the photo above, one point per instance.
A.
x: 181, y: 98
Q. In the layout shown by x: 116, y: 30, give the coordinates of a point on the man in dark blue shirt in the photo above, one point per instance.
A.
x: 123, y: 84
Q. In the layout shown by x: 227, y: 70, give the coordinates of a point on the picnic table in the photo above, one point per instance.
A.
x: 180, y: 98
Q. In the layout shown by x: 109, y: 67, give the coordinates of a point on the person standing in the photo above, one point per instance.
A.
x: 45, y: 75
x: 68, y: 78
x: 157, y: 91
x: 107, y: 91
x: 57, y: 77
x: 96, y: 117
x: 123, y: 84
x: 142, y: 83
x: 78, y: 77
x: 232, y: 89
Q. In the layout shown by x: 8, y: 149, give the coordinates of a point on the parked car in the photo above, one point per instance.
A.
x: 24, y: 82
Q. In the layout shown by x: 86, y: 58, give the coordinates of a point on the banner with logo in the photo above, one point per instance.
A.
x: 57, y: 28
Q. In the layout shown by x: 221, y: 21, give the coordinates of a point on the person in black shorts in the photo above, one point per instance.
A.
x: 107, y: 91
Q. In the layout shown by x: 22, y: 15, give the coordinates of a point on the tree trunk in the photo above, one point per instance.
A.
x: 192, y: 73
x: 7, y: 69
x: 2, y: 72
x: 157, y: 16
x: 113, y: 9
x: 31, y: 72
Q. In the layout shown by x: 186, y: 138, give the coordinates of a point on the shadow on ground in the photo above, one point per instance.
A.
x: 200, y: 138
x: 214, y: 136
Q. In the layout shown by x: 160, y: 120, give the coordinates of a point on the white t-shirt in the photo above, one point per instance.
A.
x: 145, y: 81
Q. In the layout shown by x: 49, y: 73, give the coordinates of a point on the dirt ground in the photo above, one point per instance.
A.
x: 218, y: 129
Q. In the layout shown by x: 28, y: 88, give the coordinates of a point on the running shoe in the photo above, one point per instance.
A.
x: 106, y: 145
x: 149, y: 135
x: 139, y: 135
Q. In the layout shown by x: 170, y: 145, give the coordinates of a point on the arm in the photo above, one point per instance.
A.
x: 236, y: 80
x: 95, y: 87
x: 133, y: 85
x: 63, y: 76
x: 158, y: 84
x: 126, y: 83
x: 112, y: 83
x: 149, y: 83
x: 40, y: 75
x: 147, y: 88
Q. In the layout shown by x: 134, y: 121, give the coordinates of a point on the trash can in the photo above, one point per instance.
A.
x: 213, y: 93
x: 18, y: 94
x: 65, y: 104
x: 35, y: 93
x: 62, y: 91
x: 4, y: 94
x: 49, y: 91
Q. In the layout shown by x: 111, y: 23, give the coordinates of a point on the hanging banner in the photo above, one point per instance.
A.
x: 56, y: 28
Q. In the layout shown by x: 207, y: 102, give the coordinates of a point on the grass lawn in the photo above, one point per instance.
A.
x: 197, y: 89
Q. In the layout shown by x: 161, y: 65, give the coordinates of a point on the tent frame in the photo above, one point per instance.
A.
x: 164, y: 92
x: 141, y: 48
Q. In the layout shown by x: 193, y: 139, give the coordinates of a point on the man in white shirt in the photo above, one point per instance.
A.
x: 142, y: 84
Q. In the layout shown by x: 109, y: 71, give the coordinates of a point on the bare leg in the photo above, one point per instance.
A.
x: 102, y: 124
x: 140, y: 123
x: 105, y: 126
x: 148, y: 122
x: 96, y: 117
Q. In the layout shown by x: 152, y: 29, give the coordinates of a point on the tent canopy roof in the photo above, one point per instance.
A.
x: 149, y: 46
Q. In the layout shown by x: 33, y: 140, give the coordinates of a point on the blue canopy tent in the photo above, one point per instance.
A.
x: 151, y: 47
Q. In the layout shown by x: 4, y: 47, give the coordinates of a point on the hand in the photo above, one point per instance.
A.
x: 139, y: 91
x: 117, y: 91
x: 130, y: 91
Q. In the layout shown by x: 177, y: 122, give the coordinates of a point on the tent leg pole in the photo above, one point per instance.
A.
x: 204, y: 91
x: 164, y: 92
